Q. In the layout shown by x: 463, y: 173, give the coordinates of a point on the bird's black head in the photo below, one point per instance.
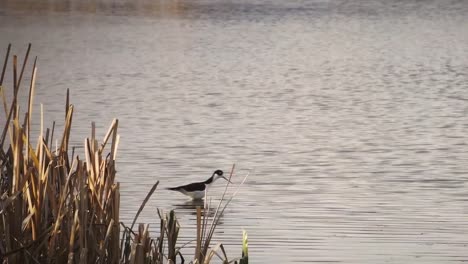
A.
x: 217, y: 174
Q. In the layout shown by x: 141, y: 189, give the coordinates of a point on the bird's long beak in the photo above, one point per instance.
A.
x: 226, y: 179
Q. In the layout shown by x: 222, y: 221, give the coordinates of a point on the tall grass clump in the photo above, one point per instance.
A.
x: 58, y: 207
x: 55, y: 208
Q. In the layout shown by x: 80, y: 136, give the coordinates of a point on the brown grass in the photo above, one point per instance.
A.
x: 55, y: 208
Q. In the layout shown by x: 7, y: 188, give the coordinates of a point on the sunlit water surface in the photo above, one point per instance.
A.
x: 350, y: 115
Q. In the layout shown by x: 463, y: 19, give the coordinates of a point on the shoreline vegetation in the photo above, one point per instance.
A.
x: 58, y: 207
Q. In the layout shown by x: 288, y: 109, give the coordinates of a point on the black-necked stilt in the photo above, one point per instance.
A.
x: 196, y: 190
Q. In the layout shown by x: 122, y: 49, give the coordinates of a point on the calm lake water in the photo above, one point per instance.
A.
x: 350, y: 115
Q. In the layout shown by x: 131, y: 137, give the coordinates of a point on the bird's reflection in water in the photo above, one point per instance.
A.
x: 190, y: 207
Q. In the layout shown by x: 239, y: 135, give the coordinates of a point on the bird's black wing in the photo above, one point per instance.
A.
x: 196, y: 186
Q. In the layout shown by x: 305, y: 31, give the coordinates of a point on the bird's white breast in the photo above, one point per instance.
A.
x: 196, y: 195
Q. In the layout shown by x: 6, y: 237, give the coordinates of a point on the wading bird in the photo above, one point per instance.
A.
x: 196, y: 190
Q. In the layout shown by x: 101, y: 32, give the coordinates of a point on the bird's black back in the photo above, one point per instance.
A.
x: 196, y: 186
